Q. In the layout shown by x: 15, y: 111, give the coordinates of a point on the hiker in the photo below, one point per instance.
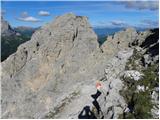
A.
x: 99, y: 113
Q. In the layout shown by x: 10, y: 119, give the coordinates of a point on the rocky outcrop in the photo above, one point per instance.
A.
x: 119, y: 41
x: 54, y: 74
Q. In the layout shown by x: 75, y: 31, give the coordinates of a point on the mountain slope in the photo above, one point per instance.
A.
x: 54, y: 74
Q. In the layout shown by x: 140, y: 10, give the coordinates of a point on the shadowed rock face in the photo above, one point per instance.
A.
x: 151, y: 43
x: 151, y: 39
x: 54, y: 74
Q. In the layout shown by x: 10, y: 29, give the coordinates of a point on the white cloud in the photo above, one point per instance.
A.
x: 118, y: 23
x: 29, y: 19
x: 141, y: 5
x: 44, y: 13
x: 26, y: 18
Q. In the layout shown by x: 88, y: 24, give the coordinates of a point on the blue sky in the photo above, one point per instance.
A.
x: 100, y: 13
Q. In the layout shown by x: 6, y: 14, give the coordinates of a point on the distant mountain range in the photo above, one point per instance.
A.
x: 105, y: 31
x: 25, y: 30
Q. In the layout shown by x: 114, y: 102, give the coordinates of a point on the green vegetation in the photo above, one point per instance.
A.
x: 9, y: 44
x: 139, y: 103
x: 151, y: 77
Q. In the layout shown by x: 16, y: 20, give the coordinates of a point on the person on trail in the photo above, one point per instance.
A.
x: 96, y: 104
x: 100, y: 90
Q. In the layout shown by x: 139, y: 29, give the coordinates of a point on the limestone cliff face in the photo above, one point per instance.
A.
x: 54, y: 74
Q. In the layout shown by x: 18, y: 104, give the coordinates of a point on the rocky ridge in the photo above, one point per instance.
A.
x: 58, y: 68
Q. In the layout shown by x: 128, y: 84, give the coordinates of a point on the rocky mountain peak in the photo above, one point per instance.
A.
x: 68, y: 26
x: 68, y: 21
x: 69, y: 18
